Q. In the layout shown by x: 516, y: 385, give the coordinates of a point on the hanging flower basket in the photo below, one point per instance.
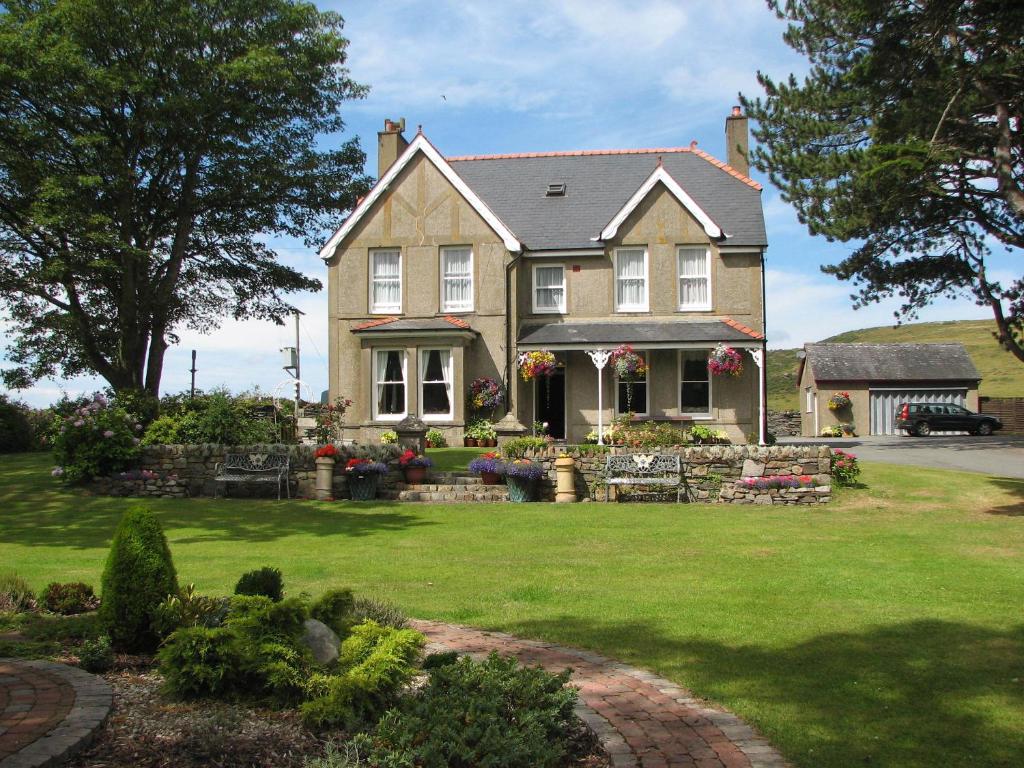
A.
x: 485, y: 394
x: 629, y: 367
x: 725, y: 361
x: 535, y: 365
x: 839, y: 401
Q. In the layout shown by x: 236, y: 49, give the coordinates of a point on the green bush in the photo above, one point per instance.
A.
x: 265, y: 581
x: 495, y: 713
x: 95, y: 440
x: 96, y: 655
x: 188, y: 609
x: 15, y: 429
x: 139, y: 574
x: 197, y: 662
x: 517, y: 447
x: 15, y: 594
x: 384, y: 613
x: 440, y: 659
x: 260, y: 617
x: 435, y: 437
x: 334, y: 608
x: 69, y: 599
x: 376, y: 662
x: 217, y: 417
x: 163, y: 431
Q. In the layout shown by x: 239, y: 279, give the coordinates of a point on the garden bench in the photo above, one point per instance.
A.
x: 652, y: 473
x: 254, y: 468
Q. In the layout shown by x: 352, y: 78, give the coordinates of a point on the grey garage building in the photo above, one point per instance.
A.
x: 878, y: 377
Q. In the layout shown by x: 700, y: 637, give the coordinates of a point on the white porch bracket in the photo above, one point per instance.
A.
x: 758, y: 357
x: 600, y: 359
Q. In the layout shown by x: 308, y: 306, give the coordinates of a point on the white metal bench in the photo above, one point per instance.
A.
x: 254, y: 468
x: 648, y: 475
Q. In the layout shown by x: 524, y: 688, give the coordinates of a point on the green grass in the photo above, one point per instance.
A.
x: 1002, y: 374
x: 454, y: 459
x: 884, y: 629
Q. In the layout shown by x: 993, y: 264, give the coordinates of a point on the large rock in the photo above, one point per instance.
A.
x: 752, y: 469
x: 321, y: 640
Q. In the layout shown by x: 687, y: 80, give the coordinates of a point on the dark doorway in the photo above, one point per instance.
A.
x: 549, y: 403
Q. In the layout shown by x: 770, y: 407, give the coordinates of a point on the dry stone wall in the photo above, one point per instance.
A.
x: 784, y: 423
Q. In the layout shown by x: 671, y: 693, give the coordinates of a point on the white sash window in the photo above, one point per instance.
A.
x: 436, y: 384
x: 385, y: 282
x: 631, y: 280
x: 456, y: 280
x: 389, y: 366
x: 694, y: 278
x: 549, y: 288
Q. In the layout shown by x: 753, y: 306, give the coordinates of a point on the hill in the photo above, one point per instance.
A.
x: 1002, y: 374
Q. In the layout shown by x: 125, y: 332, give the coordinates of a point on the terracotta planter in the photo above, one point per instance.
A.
x: 490, y: 478
x: 469, y: 442
x: 415, y: 475
x: 492, y: 442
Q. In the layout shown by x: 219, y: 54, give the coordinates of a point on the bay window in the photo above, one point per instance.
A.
x: 385, y: 281
x: 694, y: 383
x: 436, y: 384
x: 631, y: 280
x: 694, y: 268
x: 389, y: 369
x: 456, y: 280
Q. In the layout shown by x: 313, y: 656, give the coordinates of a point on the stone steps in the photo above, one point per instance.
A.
x: 449, y: 492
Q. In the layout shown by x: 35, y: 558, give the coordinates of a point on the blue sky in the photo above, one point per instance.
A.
x: 488, y: 77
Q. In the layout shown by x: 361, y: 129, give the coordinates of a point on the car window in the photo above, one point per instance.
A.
x: 957, y: 410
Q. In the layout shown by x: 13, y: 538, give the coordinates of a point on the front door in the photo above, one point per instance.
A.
x: 549, y: 403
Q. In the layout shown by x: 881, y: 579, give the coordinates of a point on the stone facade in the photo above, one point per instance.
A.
x: 784, y: 423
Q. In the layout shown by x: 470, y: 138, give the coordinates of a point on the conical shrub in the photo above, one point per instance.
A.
x: 139, y: 574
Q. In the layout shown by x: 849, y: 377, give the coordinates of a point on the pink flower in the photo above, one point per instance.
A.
x: 79, y: 423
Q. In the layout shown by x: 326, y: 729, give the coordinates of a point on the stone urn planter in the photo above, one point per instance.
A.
x: 565, y: 485
x: 324, y: 477
x: 362, y: 488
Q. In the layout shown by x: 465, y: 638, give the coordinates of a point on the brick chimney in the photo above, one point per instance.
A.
x: 737, y: 141
x: 390, y: 144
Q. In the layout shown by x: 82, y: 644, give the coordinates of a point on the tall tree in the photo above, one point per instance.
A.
x: 148, y: 149
x: 907, y: 138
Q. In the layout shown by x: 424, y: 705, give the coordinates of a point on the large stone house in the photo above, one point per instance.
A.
x: 453, y: 267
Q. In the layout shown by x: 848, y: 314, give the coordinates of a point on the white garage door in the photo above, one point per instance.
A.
x: 885, y: 401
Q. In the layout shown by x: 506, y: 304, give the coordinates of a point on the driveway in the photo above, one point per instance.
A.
x: 1001, y: 455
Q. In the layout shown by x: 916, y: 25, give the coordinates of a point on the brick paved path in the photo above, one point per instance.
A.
x: 47, y: 711
x: 643, y: 721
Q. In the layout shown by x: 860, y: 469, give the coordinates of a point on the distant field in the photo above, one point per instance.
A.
x: 1002, y: 374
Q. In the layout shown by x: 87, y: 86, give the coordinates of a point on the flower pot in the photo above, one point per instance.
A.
x: 490, y: 478
x: 470, y: 442
x: 521, y: 490
x: 362, y: 488
x: 492, y: 442
x: 415, y: 475
x: 324, y: 477
x: 565, y: 485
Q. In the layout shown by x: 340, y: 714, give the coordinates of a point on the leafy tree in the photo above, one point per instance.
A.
x: 147, y: 149
x: 906, y: 137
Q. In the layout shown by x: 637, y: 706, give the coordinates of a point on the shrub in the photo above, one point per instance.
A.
x: 384, y: 613
x: 188, y: 609
x: 265, y: 581
x: 435, y: 437
x: 217, y: 417
x: 376, y: 662
x: 163, y: 431
x: 440, y: 659
x: 139, y: 573
x: 389, y: 437
x: 15, y: 594
x: 845, y: 469
x: 334, y: 608
x: 69, y: 599
x: 15, y: 429
x: 94, y: 441
x: 260, y: 618
x: 517, y: 447
x: 198, y: 662
x: 96, y: 655
x: 494, y: 713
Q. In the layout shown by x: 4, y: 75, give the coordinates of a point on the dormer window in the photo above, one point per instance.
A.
x: 555, y: 190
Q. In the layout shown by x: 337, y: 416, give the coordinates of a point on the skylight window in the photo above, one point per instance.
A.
x: 555, y: 190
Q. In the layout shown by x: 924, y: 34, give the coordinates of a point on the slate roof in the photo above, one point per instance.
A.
x: 400, y: 325
x: 891, y: 362
x: 637, y: 334
x: 598, y: 184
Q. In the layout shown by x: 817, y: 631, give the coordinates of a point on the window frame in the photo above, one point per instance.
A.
x: 444, y: 251
x: 646, y: 354
x: 421, y: 370
x: 707, y: 306
x: 377, y: 416
x: 560, y: 310
x: 388, y: 309
x: 646, y: 306
x: 709, y: 415
x: 808, y: 400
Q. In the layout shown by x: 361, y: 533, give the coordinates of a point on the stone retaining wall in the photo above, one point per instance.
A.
x: 784, y: 423
x: 711, y: 471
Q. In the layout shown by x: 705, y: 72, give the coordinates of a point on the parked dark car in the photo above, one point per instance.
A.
x: 922, y: 419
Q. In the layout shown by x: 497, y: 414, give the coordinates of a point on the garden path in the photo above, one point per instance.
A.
x: 47, y: 711
x: 642, y: 721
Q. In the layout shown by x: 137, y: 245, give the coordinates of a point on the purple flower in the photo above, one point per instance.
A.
x: 79, y: 423
x: 57, y: 471
x: 108, y: 433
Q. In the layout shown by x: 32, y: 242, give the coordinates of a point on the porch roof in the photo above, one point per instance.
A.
x: 663, y: 334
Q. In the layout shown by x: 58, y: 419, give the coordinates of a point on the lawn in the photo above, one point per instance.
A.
x: 885, y: 629
x: 454, y: 459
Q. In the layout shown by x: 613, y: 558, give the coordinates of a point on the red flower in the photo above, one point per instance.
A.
x: 353, y: 463
x: 326, y: 451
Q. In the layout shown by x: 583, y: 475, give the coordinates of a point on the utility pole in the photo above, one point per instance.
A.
x: 298, y: 373
x: 192, y: 391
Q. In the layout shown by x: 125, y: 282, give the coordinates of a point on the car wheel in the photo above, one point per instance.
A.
x: 923, y: 429
x: 985, y: 428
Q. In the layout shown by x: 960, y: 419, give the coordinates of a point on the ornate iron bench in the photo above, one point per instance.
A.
x: 648, y: 475
x: 254, y: 468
